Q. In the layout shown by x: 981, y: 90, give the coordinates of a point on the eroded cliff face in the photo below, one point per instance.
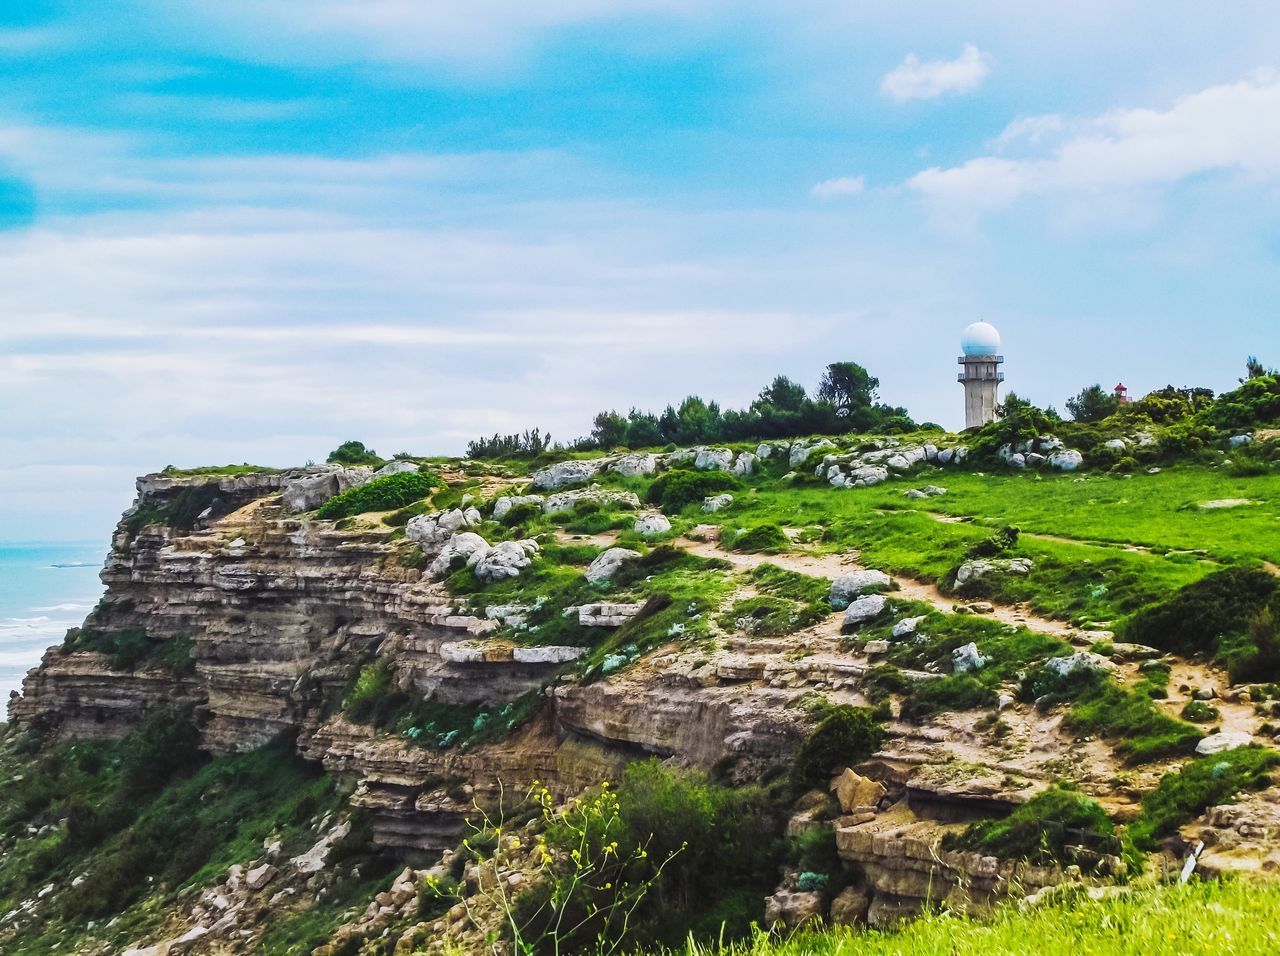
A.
x: 281, y: 612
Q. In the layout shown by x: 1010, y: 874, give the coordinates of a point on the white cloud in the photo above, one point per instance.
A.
x: 916, y: 80
x: 1229, y: 128
x: 838, y: 187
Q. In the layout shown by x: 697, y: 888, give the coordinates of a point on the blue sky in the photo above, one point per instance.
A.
x: 238, y: 231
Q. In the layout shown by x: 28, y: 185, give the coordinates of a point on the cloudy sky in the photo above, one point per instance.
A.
x: 242, y: 231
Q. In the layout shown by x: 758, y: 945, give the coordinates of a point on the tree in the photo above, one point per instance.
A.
x: 609, y: 430
x: 1255, y: 369
x: 353, y: 453
x: 848, y: 386
x: 1093, y: 404
x: 783, y: 395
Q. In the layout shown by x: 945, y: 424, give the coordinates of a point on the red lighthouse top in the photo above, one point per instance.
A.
x: 1122, y: 392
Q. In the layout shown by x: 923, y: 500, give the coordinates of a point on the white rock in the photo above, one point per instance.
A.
x: 1004, y: 702
x: 566, y: 501
x: 1017, y: 460
x: 1116, y: 444
x: 467, y: 549
x: 864, y: 609
x: 396, y: 467
x: 607, y: 614
x: 637, y: 463
x: 744, y: 464
x: 1066, y: 460
x: 907, y: 626
x: 311, y: 490
x: 874, y: 648
x: 801, y: 450
x: 898, y: 463
x: 981, y: 567
x: 547, y: 654
x: 314, y: 860
x: 1236, y: 441
x: 1049, y: 443
x: 1227, y: 740
x: 763, y: 451
x: 565, y: 473
x: 260, y: 876
x: 849, y: 586
x: 966, y: 659
x: 502, y: 507
x: 1079, y: 661
x: 713, y: 459
x: 652, y: 524
x: 505, y: 560
x: 606, y: 565
x: 714, y: 503
x: 439, y: 526
x: 1034, y: 459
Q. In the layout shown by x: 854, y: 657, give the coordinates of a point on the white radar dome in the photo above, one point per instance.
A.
x: 981, y: 338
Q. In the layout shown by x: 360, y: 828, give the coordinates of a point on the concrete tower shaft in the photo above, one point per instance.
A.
x: 981, y: 377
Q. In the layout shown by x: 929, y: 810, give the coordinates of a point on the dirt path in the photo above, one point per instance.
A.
x: 832, y: 566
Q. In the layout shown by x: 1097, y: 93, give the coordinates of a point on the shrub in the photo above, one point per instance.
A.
x: 369, y: 693
x: 1004, y: 540
x: 1200, y: 784
x: 679, y: 488
x: 1041, y: 829
x: 950, y: 693
x: 353, y: 453
x: 380, y: 494
x: 527, y: 445
x: 845, y: 736
x: 1199, y: 712
x: 764, y: 537
x: 1143, y: 731
x: 1199, y: 614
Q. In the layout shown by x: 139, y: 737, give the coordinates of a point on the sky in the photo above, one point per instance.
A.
x: 238, y: 231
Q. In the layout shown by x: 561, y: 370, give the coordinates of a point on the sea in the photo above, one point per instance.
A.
x: 44, y: 589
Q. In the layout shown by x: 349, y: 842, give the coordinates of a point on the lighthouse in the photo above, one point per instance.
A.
x: 980, y: 345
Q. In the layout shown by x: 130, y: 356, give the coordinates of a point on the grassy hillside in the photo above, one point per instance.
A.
x: 1212, y: 919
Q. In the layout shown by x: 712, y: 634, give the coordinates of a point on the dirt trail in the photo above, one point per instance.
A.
x: 834, y: 565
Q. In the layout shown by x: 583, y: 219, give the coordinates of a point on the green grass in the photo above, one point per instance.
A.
x: 1199, y: 919
x: 387, y: 493
x: 1202, y: 783
x: 217, y: 470
x: 1041, y: 829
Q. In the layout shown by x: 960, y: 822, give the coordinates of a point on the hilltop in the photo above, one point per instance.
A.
x: 641, y: 692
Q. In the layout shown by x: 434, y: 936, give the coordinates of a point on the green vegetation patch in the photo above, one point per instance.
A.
x: 767, y: 538
x: 1202, y: 783
x: 844, y: 736
x: 379, y: 494
x: 679, y: 488
x: 133, y: 649
x: 1041, y: 829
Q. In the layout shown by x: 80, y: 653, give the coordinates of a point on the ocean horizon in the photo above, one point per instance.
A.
x: 45, y: 588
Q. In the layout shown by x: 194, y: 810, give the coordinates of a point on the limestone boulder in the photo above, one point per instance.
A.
x: 464, y: 549
x: 1076, y: 663
x: 800, y: 450
x: 502, y: 507
x: 431, y: 529
x: 1066, y: 459
x: 713, y: 459
x: 608, y: 563
x: 257, y: 878
x: 1218, y: 743
x: 505, y: 560
x: 714, y: 503
x: 854, y: 584
x: 856, y: 792
x: 312, y: 489
x: 652, y: 524
x: 565, y: 501
x: 967, y: 659
x: 744, y: 464
x: 793, y: 908
x: 864, y: 610
x: 396, y: 467
x: 979, y: 568
x: 907, y: 626
x: 637, y: 463
x: 563, y: 474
